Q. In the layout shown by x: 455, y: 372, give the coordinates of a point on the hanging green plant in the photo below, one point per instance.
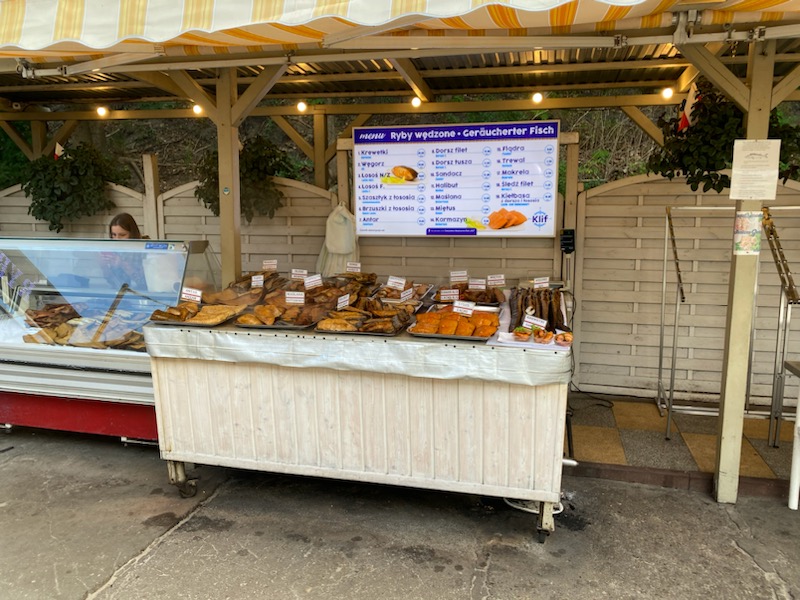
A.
x: 259, y: 161
x: 701, y: 151
x: 71, y: 187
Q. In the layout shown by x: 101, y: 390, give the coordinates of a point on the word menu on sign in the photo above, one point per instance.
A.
x: 490, y: 180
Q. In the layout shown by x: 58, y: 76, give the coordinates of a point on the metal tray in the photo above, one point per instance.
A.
x: 441, y: 336
x: 275, y: 326
x: 190, y: 324
x: 372, y: 333
x: 414, y: 298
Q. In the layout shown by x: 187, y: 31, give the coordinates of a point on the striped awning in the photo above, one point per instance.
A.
x: 50, y: 28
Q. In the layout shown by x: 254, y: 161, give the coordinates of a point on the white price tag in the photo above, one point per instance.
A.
x: 464, y: 307
x: 396, y: 283
x: 312, y: 281
x: 343, y: 301
x: 477, y: 284
x: 449, y: 295
x: 458, y: 276
x: 270, y: 265
x: 299, y: 273
x: 406, y: 295
x: 295, y: 297
x: 541, y: 282
x: 496, y: 280
x: 191, y: 294
x: 257, y: 281
x: 531, y: 322
x: 354, y: 267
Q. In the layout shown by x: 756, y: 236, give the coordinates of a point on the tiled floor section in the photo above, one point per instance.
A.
x: 633, y: 432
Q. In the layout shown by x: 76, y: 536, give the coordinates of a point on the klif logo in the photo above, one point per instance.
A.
x: 539, y: 218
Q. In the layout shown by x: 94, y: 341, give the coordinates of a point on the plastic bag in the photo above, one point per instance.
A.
x: 341, y: 245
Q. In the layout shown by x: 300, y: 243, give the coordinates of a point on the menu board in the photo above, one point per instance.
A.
x: 489, y: 180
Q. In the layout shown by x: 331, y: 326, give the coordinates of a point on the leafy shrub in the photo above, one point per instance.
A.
x: 71, y: 187
x: 259, y: 161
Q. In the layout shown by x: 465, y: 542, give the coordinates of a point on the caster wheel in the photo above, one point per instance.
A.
x: 541, y: 536
x: 187, y: 489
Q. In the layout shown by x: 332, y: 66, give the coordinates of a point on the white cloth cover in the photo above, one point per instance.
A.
x: 341, y: 245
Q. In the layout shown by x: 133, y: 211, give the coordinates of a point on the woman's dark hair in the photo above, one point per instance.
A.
x: 128, y: 223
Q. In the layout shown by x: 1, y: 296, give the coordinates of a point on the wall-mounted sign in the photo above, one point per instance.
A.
x: 495, y: 179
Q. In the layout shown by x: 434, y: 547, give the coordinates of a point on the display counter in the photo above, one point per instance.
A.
x: 72, y: 353
x: 428, y: 413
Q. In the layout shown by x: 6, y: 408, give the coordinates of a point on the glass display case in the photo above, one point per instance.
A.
x: 96, y: 294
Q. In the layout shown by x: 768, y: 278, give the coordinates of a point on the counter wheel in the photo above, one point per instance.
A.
x: 188, y: 488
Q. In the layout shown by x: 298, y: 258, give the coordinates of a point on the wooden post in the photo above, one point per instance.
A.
x: 153, y: 225
x: 743, y: 281
x: 320, y: 145
x: 229, y: 192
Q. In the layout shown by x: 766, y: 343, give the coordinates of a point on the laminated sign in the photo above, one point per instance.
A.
x: 484, y: 180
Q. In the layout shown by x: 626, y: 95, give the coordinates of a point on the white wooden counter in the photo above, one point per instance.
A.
x: 444, y: 415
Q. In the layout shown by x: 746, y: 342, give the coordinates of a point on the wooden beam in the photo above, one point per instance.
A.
x: 347, y: 132
x: 415, y: 81
x: 60, y: 137
x: 256, y: 91
x: 195, y: 91
x: 786, y: 86
x: 161, y: 81
x: 644, y: 123
x: 20, y: 142
x: 320, y: 145
x: 295, y: 136
x: 38, y: 137
x: 691, y: 73
x: 717, y: 73
x: 153, y: 225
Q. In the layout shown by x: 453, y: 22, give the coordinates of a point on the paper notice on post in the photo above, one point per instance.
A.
x: 747, y: 232
x: 755, y: 169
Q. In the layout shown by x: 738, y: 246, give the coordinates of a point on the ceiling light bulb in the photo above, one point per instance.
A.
x: 537, y: 97
x: 302, y: 106
x: 197, y: 109
x: 666, y: 93
x: 102, y: 111
x: 416, y: 102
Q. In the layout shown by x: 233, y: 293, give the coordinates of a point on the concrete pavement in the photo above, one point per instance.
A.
x: 88, y: 517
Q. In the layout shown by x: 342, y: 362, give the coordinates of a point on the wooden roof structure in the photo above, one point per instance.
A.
x: 60, y: 58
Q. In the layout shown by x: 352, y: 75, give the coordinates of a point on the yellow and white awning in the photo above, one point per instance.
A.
x: 79, y: 27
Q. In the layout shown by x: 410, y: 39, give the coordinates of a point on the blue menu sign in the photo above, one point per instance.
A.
x: 491, y: 179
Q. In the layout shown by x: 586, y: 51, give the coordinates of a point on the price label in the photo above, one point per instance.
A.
x: 312, y: 281
x: 299, y: 273
x: 191, y: 294
x: 396, y: 283
x: 343, y: 301
x: 449, y: 295
x: 270, y: 265
x: 531, y: 322
x: 541, y: 282
x: 257, y: 281
x: 477, y: 284
x: 295, y: 297
x: 354, y: 267
x: 496, y: 280
x: 406, y: 295
x: 464, y: 307
x: 458, y: 276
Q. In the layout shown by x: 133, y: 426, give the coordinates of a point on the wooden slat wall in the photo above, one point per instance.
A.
x: 16, y: 222
x: 619, y: 289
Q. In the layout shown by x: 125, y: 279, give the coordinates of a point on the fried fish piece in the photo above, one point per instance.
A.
x: 404, y: 172
x: 336, y: 325
x: 250, y: 320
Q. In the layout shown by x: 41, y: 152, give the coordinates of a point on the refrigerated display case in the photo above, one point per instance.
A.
x: 72, y: 352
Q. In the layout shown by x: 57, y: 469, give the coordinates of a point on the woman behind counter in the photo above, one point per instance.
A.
x: 123, y: 267
x: 124, y: 227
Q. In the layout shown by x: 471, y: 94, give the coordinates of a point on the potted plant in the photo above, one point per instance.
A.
x: 72, y: 186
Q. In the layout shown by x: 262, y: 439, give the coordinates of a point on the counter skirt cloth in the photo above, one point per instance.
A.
x: 400, y: 355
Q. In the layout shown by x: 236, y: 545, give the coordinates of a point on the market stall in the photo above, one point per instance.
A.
x: 435, y: 414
